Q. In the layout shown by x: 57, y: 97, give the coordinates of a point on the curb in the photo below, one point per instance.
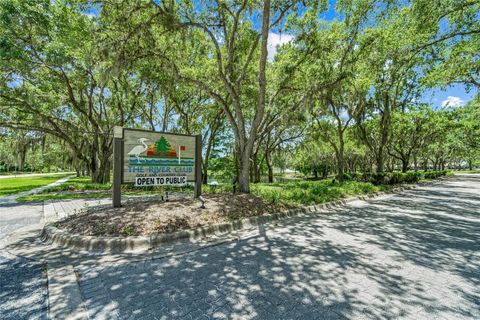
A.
x: 64, y: 297
x: 62, y: 238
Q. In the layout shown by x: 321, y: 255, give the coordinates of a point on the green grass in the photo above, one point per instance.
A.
x: 299, y: 192
x: 295, y: 193
x: 79, y: 184
x: 15, y: 185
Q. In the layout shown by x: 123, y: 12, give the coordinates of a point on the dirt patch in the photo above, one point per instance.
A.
x: 154, y: 216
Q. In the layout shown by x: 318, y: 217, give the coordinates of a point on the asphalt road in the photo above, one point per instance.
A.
x: 415, y: 255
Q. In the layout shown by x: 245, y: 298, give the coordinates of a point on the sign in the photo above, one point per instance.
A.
x: 149, y: 158
x: 157, y: 154
x: 161, y: 181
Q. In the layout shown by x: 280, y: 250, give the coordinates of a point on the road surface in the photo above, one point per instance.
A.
x: 23, y: 282
x: 415, y: 255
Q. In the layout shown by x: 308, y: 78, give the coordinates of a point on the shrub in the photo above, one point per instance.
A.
x: 391, y: 178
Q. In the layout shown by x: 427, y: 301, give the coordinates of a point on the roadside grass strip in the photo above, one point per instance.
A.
x: 10, y: 186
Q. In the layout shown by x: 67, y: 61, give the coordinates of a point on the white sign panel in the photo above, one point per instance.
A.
x: 177, y: 181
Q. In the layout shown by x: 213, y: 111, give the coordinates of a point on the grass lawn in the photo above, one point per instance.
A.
x: 79, y: 184
x: 15, y: 185
x: 292, y: 193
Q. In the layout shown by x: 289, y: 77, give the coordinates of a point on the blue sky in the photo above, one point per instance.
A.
x: 455, y: 95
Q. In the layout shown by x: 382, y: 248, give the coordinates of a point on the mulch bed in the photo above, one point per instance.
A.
x: 154, y: 216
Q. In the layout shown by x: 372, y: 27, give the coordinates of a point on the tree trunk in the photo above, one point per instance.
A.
x: 244, y: 174
x: 388, y: 165
x: 255, y: 173
x: 258, y: 170
x: 243, y: 181
x: 204, y: 172
x: 252, y: 173
x: 100, y: 168
x: 380, y: 161
x: 268, y: 160
x: 341, y: 167
x: 404, y: 165
x: 210, y: 144
x: 76, y: 164
x: 21, y: 161
x: 340, y: 156
x: 22, y: 156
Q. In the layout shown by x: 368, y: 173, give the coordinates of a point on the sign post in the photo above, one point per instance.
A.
x: 198, y: 166
x: 117, y: 167
x: 150, y: 158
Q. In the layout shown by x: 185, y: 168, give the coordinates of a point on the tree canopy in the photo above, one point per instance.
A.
x: 343, y: 94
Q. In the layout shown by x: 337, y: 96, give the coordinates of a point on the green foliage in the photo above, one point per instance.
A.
x: 312, y: 192
x: 391, y: 178
x: 128, y: 231
x: 340, y: 97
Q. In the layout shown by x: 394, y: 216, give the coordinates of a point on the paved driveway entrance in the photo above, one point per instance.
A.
x: 23, y: 283
x: 415, y: 255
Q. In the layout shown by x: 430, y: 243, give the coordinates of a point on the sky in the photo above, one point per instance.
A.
x: 453, y: 96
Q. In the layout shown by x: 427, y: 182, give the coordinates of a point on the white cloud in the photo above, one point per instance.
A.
x: 90, y: 15
x: 387, y: 65
x: 275, y: 40
x: 453, y: 102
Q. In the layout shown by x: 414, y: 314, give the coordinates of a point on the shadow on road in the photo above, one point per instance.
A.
x: 413, y: 255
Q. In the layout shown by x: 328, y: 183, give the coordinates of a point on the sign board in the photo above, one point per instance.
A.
x: 155, y: 154
x: 161, y: 181
x: 149, y: 158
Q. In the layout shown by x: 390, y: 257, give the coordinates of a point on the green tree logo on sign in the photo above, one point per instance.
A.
x: 162, y: 146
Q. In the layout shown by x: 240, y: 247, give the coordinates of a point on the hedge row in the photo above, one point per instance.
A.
x: 395, y: 177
